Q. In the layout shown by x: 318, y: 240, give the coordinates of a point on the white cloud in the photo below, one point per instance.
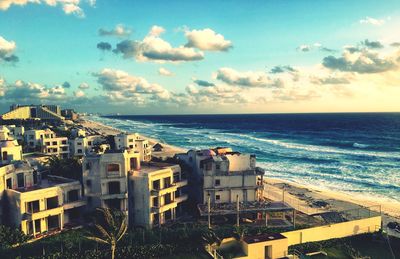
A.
x: 207, y: 39
x: 84, y: 86
x: 79, y: 94
x: 7, y: 49
x: 68, y: 6
x: 372, y: 21
x: 154, y: 48
x: 119, y: 31
x: 248, y: 78
x: 164, y: 72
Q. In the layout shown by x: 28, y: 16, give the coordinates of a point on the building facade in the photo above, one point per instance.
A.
x: 136, y: 142
x: 57, y: 146
x: 156, y: 194
x: 10, y: 151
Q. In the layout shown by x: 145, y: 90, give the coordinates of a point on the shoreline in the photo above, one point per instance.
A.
x: 302, y: 196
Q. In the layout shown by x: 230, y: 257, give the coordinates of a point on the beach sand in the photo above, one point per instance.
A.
x: 307, y: 199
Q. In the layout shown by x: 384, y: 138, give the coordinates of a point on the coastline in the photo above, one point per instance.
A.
x: 303, y: 197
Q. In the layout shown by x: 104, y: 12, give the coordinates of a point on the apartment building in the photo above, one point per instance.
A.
x: 56, y: 146
x: 40, y: 112
x: 136, y: 142
x: 33, y: 137
x: 82, y: 145
x: 156, y: 194
x: 5, y: 133
x: 105, y: 178
x: 224, y: 175
x: 10, y: 151
x: 38, y: 206
x: 17, y: 132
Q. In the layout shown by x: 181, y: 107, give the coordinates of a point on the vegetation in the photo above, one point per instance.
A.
x: 65, y: 167
x: 109, y: 227
x: 10, y: 237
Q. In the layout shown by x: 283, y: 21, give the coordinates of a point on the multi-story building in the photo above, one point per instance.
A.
x: 56, y: 146
x: 42, y: 112
x: 5, y: 133
x: 156, y: 194
x: 82, y: 145
x: 136, y: 142
x: 17, y: 132
x: 105, y: 178
x: 33, y: 137
x: 38, y: 205
x: 224, y: 176
x: 10, y: 151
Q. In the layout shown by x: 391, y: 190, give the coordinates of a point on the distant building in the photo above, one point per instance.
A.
x: 5, y: 133
x: 56, y: 146
x: 79, y: 146
x: 33, y: 137
x: 10, y: 151
x: 105, y: 178
x: 156, y: 194
x: 135, y: 142
x: 39, y: 206
x: 69, y: 114
x: 25, y: 112
x: 158, y: 147
x: 17, y: 132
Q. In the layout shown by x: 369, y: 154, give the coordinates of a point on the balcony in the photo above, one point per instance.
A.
x: 165, y: 207
x: 43, y: 213
x: 181, y: 183
x: 159, y: 192
x: 114, y: 196
x: 74, y: 204
x: 181, y: 198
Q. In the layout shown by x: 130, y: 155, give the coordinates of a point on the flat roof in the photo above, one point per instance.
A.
x: 153, y: 166
x: 46, y: 183
x: 263, y: 238
x: 229, y: 208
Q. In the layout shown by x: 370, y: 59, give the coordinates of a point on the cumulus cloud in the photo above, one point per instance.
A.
x: 207, y: 39
x: 203, y: 83
x: 331, y: 80
x: 84, y: 86
x: 164, y: 72
x: 105, y: 46
x: 372, y: 44
x: 245, y: 79
x: 7, y: 49
x: 79, y: 94
x: 282, y: 69
x: 304, y: 48
x: 372, y: 21
x: 118, y: 31
x: 362, y: 61
x: 66, y: 84
x: 154, y: 48
x: 315, y: 46
x: 68, y: 6
x: 395, y: 44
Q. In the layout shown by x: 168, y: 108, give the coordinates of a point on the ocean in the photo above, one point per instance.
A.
x: 356, y: 153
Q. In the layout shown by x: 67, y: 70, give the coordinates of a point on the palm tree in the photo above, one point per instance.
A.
x: 211, y: 239
x: 109, y: 227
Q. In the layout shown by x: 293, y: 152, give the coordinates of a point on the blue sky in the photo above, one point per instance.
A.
x: 57, y: 44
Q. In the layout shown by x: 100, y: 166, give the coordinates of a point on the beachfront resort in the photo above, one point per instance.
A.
x: 57, y: 169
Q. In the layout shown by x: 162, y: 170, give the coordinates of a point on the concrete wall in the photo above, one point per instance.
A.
x: 339, y: 230
x: 238, y: 162
x: 275, y: 249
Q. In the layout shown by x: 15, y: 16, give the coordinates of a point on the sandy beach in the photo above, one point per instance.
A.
x: 307, y: 199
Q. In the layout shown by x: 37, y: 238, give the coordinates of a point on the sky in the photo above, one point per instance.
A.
x: 182, y: 57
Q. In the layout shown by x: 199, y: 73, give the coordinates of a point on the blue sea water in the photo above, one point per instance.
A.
x: 358, y: 153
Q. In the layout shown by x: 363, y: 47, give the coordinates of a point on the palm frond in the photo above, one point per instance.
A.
x: 99, y: 240
x: 122, y: 230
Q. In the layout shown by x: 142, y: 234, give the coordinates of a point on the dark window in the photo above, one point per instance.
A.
x: 64, y: 148
x: 52, y: 202
x: 168, y: 215
x: 9, y: 183
x: 73, y: 195
x: 47, y: 143
x: 217, y: 197
x: 134, y: 163
x: 64, y: 142
x: 32, y: 207
x: 5, y: 155
x: 54, y: 143
x: 79, y: 143
x: 155, y: 202
x: 167, y: 182
x: 217, y: 167
x: 37, y: 226
x: 20, y: 180
x: 167, y: 198
x: 156, y: 185
x: 79, y: 151
x: 217, y: 182
x: 87, y: 166
x: 113, y: 168
x: 89, y: 183
x: 113, y: 204
x: 53, y: 222
x: 113, y: 188
x: 35, y: 177
x: 89, y: 143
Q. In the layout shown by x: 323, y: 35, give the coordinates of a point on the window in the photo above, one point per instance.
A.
x: 167, y: 198
x: 79, y: 143
x: 35, y: 177
x: 217, y: 197
x: 130, y: 146
x: 208, y: 166
x: 217, y: 167
x: 5, y: 156
x: 53, y: 222
x: 217, y: 182
x: 20, y: 180
x: 155, y: 202
x: 73, y: 195
x: 64, y: 142
x: 134, y: 163
x: 54, y: 143
x: 130, y: 140
x: 87, y: 166
x: 156, y: 185
x: 114, y: 188
x: 52, y: 202
x: 32, y: 207
x: 64, y: 148
x: 79, y: 151
x: 89, y: 143
x: 89, y: 183
x: 9, y: 183
x: 167, y: 182
x: 47, y: 143
x: 113, y: 168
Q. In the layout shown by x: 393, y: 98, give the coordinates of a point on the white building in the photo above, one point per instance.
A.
x: 10, y: 151
x: 17, y: 132
x: 57, y: 146
x: 136, y: 142
x: 156, y: 194
x: 36, y: 205
x: 105, y: 178
x: 33, y: 137
x: 5, y: 133
x: 224, y: 176
x: 80, y: 146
